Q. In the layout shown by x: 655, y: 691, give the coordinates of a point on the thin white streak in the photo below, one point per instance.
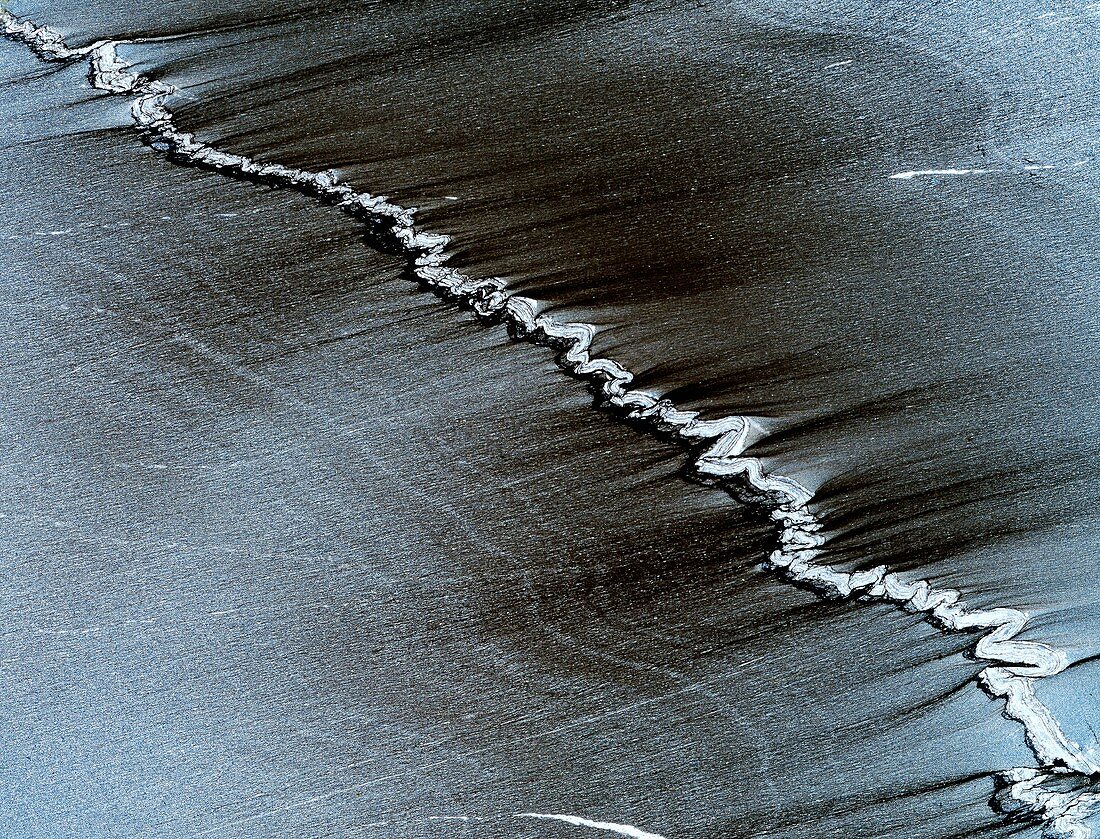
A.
x: 836, y: 64
x: 621, y: 829
x: 1015, y: 664
x: 922, y: 173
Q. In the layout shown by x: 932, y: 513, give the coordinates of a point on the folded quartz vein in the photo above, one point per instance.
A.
x: 1058, y: 794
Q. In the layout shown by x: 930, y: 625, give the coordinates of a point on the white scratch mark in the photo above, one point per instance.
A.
x: 621, y: 829
x: 836, y: 64
x: 920, y: 173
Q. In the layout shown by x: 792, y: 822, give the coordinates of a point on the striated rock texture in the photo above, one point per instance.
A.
x: 1057, y: 794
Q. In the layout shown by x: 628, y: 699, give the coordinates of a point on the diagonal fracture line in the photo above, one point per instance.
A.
x: 718, y: 445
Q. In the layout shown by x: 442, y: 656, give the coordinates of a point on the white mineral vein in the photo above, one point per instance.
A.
x: 1014, y: 665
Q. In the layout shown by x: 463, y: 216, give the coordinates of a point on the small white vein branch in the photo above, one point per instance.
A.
x: 578, y: 821
x: 1014, y: 664
x: 933, y: 173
